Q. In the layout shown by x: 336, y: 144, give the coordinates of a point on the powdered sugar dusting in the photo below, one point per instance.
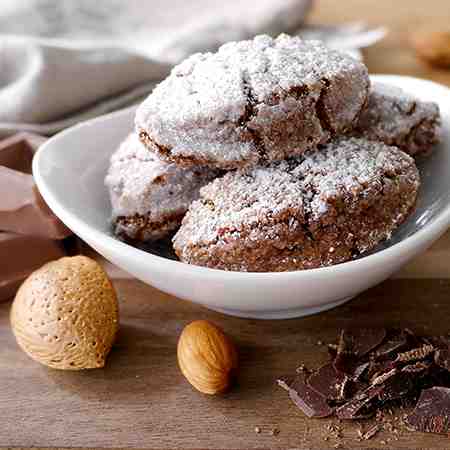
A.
x: 253, y: 100
x: 348, y: 167
x: 140, y: 183
x: 298, y: 191
x: 398, y: 118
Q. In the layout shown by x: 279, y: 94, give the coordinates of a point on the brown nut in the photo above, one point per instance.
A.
x: 433, y: 47
x: 207, y: 358
x: 65, y: 314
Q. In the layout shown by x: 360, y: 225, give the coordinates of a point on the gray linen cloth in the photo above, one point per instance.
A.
x: 64, y: 61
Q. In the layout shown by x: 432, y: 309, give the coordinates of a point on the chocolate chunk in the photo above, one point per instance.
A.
x: 442, y: 354
x: 377, y: 368
x: 432, y: 412
x: 361, y: 406
x: 370, y: 370
x: 354, y: 344
x: 23, y: 210
x: 442, y: 358
x: 398, y: 385
x: 360, y: 371
x: 395, y: 341
x: 308, y: 400
x: 23, y: 255
x: 327, y: 382
x: 16, y: 152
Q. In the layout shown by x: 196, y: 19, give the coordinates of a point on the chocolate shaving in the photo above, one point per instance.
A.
x: 432, y: 412
x: 371, y: 432
x: 309, y: 401
x: 418, y: 367
x: 381, y: 378
x: 416, y: 353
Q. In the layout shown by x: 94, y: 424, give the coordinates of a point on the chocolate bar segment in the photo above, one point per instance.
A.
x: 20, y: 255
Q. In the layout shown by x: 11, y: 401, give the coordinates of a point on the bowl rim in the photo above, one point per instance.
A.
x: 423, y: 237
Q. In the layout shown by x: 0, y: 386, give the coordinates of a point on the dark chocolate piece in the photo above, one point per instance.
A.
x: 432, y: 412
x: 360, y: 371
x: 442, y: 354
x: 308, y: 400
x: 370, y: 370
x: 354, y: 344
x: 395, y: 341
x: 398, y: 385
x: 328, y: 382
x: 442, y: 358
x: 361, y: 406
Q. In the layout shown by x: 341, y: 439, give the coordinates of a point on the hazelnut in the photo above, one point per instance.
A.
x: 65, y: 314
x: 433, y: 47
x: 207, y: 358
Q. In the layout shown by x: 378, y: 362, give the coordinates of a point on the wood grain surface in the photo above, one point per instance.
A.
x: 141, y: 399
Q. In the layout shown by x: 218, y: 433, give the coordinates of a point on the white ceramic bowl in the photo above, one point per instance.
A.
x: 69, y: 170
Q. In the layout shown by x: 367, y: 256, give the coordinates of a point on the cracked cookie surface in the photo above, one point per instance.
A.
x: 148, y: 196
x: 321, y: 208
x: 398, y: 118
x: 253, y: 101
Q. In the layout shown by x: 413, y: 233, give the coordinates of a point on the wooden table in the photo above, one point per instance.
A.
x: 140, y: 400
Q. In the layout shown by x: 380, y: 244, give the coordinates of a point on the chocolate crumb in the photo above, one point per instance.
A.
x: 371, y: 432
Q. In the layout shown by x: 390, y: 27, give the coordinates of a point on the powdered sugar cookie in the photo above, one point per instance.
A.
x: 252, y: 101
x: 398, y: 118
x: 322, y: 208
x: 149, y: 197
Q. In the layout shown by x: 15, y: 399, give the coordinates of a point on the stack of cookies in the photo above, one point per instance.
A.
x: 270, y: 155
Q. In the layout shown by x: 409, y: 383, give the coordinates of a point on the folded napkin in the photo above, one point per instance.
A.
x: 63, y: 61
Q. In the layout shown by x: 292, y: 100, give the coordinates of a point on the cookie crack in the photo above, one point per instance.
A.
x: 250, y: 112
x: 320, y: 109
x: 411, y: 137
x: 145, y: 138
